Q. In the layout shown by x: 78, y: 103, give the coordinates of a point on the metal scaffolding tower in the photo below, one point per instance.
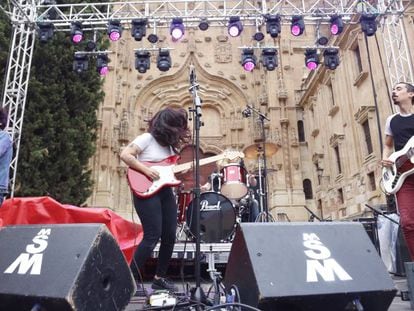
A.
x: 24, y: 16
x: 400, y: 67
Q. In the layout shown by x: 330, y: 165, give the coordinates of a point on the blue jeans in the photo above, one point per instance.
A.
x: 2, y: 197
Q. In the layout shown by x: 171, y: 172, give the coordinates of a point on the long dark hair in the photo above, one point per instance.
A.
x: 170, y: 127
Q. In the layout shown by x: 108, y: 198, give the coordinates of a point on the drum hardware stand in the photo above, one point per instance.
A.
x: 376, y: 213
x: 264, y: 213
x: 215, y: 276
x: 183, y: 227
x: 197, y: 293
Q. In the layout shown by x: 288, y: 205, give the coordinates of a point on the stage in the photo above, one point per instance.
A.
x: 267, y: 266
x: 139, y: 301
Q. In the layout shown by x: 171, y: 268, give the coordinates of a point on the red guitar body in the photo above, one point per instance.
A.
x: 144, y: 187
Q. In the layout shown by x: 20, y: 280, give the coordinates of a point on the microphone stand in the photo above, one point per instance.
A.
x: 197, y: 293
x: 382, y: 214
x: 263, y: 194
x: 312, y: 213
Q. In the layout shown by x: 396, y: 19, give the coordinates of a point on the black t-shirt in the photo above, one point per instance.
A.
x: 402, y: 128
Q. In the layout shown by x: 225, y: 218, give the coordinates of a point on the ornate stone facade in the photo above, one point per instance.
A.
x: 319, y: 120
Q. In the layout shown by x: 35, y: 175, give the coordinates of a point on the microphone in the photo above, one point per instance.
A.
x: 247, y: 112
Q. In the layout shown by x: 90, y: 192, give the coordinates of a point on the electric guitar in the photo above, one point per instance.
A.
x: 394, y: 176
x: 145, y: 187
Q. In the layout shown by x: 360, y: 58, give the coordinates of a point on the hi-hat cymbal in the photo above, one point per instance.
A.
x: 253, y: 151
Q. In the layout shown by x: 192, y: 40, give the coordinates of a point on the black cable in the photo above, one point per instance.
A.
x: 237, y: 304
x: 375, y: 94
x: 383, y: 73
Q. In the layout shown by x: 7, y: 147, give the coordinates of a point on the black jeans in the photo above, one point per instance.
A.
x: 158, y: 215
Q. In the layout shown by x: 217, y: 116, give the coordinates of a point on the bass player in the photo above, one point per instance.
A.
x: 399, y: 128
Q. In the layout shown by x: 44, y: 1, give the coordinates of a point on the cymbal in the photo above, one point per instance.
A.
x: 253, y: 151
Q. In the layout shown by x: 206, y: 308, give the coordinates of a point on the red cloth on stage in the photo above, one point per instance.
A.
x: 45, y: 210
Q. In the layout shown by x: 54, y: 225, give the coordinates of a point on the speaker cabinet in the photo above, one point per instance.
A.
x: 307, y: 266
x: 62, y: 267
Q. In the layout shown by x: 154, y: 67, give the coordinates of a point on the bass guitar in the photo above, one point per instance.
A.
x: 145, y: 187
x: 394, y: 176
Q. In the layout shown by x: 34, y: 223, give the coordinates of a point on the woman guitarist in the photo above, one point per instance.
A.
x: 168, y: 131
x: 399, y: 128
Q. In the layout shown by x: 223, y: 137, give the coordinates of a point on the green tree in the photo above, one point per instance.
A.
x: 5, y: 31
x: 59, y: 128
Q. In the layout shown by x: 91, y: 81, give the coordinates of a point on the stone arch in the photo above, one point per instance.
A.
x: 222, y: 100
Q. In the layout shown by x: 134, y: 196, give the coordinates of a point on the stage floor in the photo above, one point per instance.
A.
x: 213, y: 262
x: 139, y: 302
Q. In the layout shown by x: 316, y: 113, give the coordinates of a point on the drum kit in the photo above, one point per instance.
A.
x: 222, y: 208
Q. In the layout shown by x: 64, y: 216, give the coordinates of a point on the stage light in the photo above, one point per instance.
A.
x: 203, y: 25
x: 102, y: 61
x: 153, y: 38
x: 76, y: 32
x: 269, y: 58
x: 235, y: 26
x: 90, y: 45
x: 248, y: 59
x: 258, y: 36
x: 331, y: 58
x: 273, y: 25
x: 142, y: 61
x: 177, y: 29
x: 311, y: 59
x: 323, y: 40
x: 45, y: 31
x: 114, y: 30
x: 139, y: 28
x: 368, y: 24
x: 297, y: 26
x: 164, y: 60
x: 337, y: 25
x: 80, y: 63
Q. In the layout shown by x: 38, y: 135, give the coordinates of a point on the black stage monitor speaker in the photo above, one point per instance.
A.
x: 62, y: 267
x: 307, y: 266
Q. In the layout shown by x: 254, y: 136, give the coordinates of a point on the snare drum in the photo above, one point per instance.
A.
x: 217, y: 218
x: 183, y: 199
x: 234, y: 181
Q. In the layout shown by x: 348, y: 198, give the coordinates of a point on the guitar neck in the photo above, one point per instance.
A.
x: 186, y: 166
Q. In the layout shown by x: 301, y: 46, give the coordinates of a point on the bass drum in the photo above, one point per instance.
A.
x: 217, y: 218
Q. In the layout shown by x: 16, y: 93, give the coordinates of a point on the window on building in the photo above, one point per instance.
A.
x: 307, y: 188
x: 301, y: 131
x: 340, y: 196
x: 358, y: 59
x: 371, y: 180
x: 367, y: 136
x: 338, y: 159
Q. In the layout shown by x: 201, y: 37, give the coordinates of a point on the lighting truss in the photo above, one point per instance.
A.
x: 216, y: 12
